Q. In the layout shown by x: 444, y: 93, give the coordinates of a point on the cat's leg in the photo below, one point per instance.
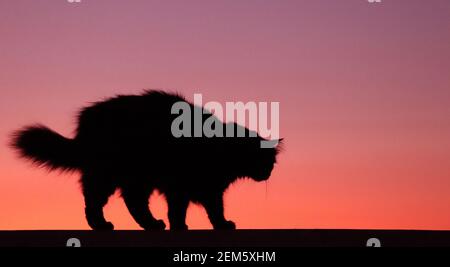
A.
x: 177, y: 204
x: 136, y: 199
x: 214, y: 207
x: 96, y: 192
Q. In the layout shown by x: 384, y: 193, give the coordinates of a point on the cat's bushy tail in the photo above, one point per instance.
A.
x: 46, y: 148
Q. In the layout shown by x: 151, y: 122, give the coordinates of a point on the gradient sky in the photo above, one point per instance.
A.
x: 364, y: 92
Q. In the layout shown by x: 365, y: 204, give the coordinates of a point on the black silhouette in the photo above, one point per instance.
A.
x: 126, y: 143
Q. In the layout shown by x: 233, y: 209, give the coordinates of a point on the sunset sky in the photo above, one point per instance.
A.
x: 364, y: 92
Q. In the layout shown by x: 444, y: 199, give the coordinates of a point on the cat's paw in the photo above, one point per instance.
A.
x: 106, y: 226
x: 155, y: 225
x: 226, y: 225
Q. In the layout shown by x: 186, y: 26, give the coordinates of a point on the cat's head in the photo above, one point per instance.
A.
x: 260, y: 165
x: 254, y: 156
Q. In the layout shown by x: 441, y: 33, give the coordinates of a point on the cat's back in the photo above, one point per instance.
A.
x: 152, y: 106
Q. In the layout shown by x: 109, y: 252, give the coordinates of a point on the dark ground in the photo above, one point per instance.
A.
x: 239, y: 238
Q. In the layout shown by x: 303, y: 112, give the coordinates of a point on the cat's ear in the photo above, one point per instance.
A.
x: 275, y: 143
x: 279, y: 145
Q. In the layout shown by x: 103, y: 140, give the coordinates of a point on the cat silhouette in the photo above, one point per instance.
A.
x: 126, y: 143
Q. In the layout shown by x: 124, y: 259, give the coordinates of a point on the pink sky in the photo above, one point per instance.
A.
x: 364, y: 92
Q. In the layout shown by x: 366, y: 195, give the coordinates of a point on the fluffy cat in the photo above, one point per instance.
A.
x: 126, y: 143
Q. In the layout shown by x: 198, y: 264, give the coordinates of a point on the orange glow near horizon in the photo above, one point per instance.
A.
x: 364, y: 92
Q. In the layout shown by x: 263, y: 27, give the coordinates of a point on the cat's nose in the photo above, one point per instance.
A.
x: 263, y: 177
